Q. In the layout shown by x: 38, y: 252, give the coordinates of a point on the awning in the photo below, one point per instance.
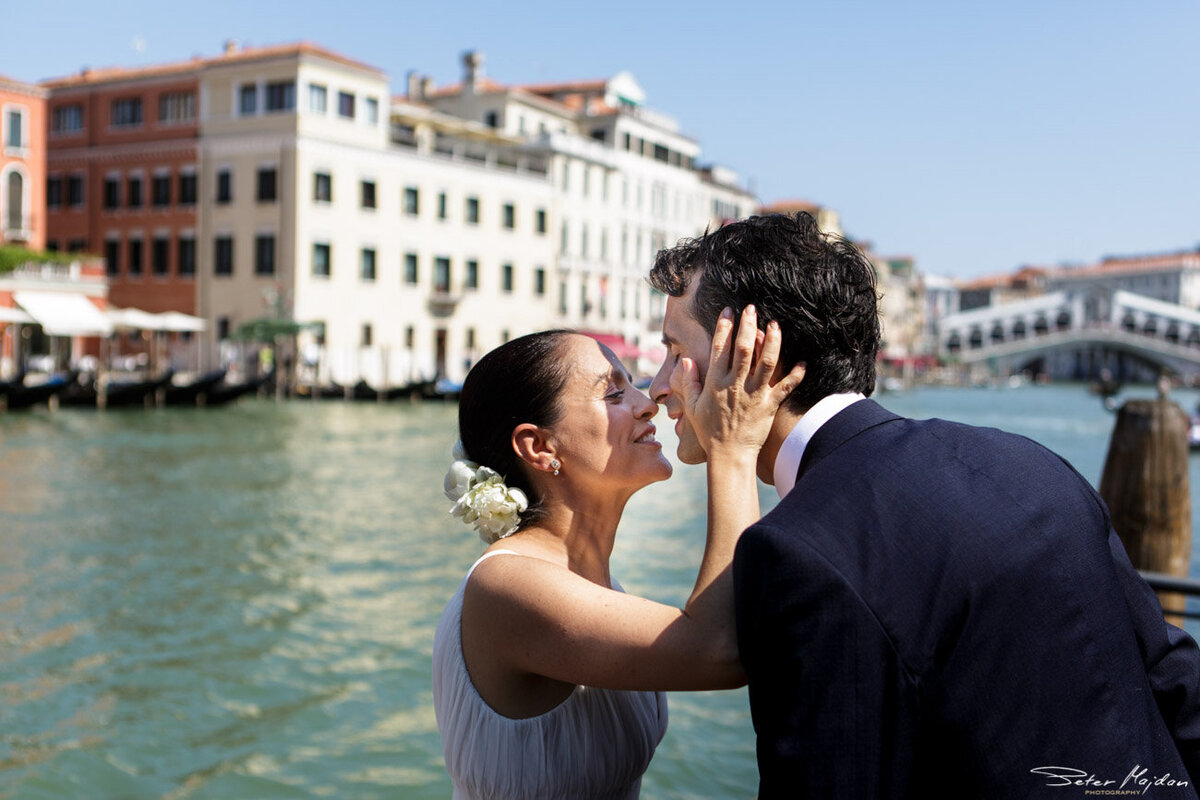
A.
x: 178, y: 321
x: 616, y: 343
x: 133, y: 319
x: 14, y: 315
x: 64, y: 314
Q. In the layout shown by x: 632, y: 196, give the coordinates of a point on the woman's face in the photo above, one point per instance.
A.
x: 605, y: 436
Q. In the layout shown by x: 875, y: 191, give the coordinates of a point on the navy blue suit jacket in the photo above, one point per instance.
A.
x: 940, y: 606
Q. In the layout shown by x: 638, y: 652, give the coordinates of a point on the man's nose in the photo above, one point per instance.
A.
x: 660, y: 387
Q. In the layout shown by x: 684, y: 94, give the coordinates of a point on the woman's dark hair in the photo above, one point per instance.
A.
x: 520, y: 381
x: 820, y: 288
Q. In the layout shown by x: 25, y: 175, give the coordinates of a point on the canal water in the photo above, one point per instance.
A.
x: 240, y: 602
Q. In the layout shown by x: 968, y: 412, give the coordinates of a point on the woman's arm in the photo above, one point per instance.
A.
x: 554, y: 623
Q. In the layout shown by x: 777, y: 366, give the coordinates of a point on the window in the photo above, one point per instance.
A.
x: 187, y: 256
x: 281, y: 96
x: 160, y: 190
x: 177, y: 107
x: 76, y: 245
x: 133, y: 192
x: 322, y: 187
x: 491, y: 119
x: 441, y: 275
x: 472, y: 211
x: 223, y: 255
x: 126, y: 113
x: 187, y: 189
x: 266, y: 184
x: 112, y: 257
x: 372, y: 108
x: 367, y: 265
x: 368, y: 194
x: 320, y: 260
x: 52, y: 247
x: 346, y: 105
x: 471, y: 279
x: 412, y: 201
x: 540, y: 221
x: 160, y: 255
x: 441, y: 205
x: 14, y: 135
x: 264, y: 254
x: 539, y: 281
x: 248, y: 99
x: 317, y: 98
x: 134, y: 265
x: 562, y: 298
x: 222, y: 328
x: 409, y: 336
x: 224, y: 186
x: 67, y: 119
x: 75, y: 190
x: 54, y: 191
x: 366, y: 335
x: 112, y: 192
x: 506, y: 278
x: 510, y: 216
x: 411, y: 275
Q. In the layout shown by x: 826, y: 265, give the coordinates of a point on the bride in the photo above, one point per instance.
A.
x: 547, y: 678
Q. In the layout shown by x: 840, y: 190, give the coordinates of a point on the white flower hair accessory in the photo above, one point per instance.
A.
x: 482, y: 498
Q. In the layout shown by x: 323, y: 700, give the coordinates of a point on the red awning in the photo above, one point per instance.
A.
x: 616, y: 343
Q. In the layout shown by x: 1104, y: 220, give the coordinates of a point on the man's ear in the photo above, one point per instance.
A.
x: 532, y: 445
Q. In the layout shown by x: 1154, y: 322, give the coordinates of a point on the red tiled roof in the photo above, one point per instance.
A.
x: 110, y: 74
x: 573, y: 87
x: 1116, y: 264
x: 785, y: 206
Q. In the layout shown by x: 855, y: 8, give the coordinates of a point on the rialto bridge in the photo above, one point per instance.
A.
x: 1078, y: 335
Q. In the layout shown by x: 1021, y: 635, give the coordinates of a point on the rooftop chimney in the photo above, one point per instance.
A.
x: 232, y: 46
x: 472, y: 70
x: 414, y: 85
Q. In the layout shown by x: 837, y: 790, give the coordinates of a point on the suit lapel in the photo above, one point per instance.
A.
x: 845, y: 425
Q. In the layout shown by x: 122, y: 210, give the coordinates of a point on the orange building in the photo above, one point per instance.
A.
x: 121, y: 179
x: 22, y: 164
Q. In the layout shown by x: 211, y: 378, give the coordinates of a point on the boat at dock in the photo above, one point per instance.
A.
x: 21, y: 395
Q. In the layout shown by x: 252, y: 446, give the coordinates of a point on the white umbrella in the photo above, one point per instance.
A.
x: 134, y: 319
x: 178, y: 321
x: 14, y: 315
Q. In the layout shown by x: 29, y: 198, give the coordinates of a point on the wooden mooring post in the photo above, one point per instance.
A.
x: 1145, y: 484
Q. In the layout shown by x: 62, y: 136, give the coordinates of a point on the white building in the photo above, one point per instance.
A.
x: 413, y: 234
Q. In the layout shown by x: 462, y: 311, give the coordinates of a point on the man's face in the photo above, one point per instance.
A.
x: 684, y: 337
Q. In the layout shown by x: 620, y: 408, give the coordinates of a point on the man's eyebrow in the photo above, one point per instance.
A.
x: 667, y: 340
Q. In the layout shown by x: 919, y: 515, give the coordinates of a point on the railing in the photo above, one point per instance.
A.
x: 1169, y: 583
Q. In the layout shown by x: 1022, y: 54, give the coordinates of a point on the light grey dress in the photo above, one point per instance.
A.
x: 595, y: 744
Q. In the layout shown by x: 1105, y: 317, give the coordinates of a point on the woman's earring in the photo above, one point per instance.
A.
x: 554, y: 464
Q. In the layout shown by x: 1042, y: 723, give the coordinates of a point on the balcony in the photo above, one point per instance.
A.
x: 442, y: 303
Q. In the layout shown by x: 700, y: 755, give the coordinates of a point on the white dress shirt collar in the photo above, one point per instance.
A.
x: 787, y: 461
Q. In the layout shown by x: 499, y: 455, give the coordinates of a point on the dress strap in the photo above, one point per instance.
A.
x: 486, y: 556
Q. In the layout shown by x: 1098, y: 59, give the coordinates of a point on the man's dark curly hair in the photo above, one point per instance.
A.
x: 820, y: 289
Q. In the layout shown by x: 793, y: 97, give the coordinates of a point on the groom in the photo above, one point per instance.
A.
x: 932, y: 608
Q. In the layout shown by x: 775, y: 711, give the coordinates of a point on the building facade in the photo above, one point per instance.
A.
x: 408, y: 235
x: 22, y: 164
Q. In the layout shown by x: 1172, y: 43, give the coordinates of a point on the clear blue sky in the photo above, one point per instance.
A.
x: 976, y: 137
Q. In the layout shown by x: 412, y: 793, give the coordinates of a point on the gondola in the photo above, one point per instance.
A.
x: 224, y: 393
x: 27, y: 396
x: 194, y: 392
x: 117, y: 394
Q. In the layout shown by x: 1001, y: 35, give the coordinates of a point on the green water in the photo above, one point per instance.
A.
x: 240, y: 602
